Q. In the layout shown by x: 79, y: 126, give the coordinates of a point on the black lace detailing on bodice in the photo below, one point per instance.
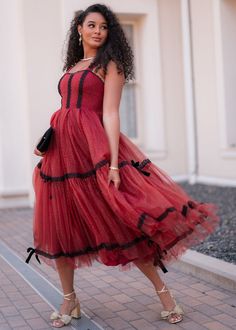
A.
x: 69, y: 90
x: 80, y: 94
x: 80, y: 87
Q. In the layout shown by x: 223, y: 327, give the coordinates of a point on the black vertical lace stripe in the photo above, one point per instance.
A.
x: 69, y: 91
x: 79, y: 101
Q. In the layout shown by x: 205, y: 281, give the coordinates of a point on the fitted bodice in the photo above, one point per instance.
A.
x: 81, y: 89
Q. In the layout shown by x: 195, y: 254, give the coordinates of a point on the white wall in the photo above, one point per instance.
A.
x: 43, y: 49
x: 32, y: 34
x: 173, y: 87
x: 228, y: 37
x: 215, y: 166
x: 31, y: 65
x: 14, y: 121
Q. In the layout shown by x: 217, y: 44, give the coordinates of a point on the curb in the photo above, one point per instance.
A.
x: 43, y: 287
x: 209, y: 269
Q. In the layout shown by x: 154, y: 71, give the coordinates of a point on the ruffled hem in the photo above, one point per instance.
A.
x: 142, y: 247
x: 139, y: 230
x: 79, y: 217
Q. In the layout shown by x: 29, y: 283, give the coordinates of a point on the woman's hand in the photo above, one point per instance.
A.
x: 38, y: 153
x: 114, y: 176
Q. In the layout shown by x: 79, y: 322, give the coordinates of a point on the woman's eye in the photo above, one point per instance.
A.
x: 91, y: 25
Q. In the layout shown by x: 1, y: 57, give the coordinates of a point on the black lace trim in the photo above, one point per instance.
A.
x: 158, y: 255
x: 137, y: 165
x: 158, y: 219
x: 92, y: 249
x: 69, y: 91
x: 81, y: 83
x: 190, y: 204
x: 184, y: 210
x: 95, y: 249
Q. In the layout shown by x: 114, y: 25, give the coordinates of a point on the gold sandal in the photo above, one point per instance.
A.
x: 176, y: 314
x: 60, y: 320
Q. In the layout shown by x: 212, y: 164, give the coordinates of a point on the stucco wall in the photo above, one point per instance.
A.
x: 213, y: 162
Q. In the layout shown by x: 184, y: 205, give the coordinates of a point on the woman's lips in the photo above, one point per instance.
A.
x: 97, y: 39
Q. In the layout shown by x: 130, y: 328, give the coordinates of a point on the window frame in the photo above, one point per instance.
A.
x: 136, y: 82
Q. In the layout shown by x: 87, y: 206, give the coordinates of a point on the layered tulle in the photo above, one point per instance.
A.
x: 77, y: 215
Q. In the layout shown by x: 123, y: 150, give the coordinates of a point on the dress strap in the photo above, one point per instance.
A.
x: 92, y: 68
x: 67, y: 71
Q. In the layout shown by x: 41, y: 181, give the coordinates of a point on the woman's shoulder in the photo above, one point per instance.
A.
x: 113, y: 71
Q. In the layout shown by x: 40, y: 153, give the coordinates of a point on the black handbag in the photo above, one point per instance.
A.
x: 43, y: 144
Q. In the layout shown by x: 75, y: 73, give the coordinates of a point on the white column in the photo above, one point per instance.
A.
x: 44, y: 59
x: 153, y: 109
x: 14, y: 143
x: 189, y: 92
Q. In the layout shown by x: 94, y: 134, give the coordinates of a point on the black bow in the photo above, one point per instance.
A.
x: 137, y: 166
x: 31, y: 251
x: 157, y: 257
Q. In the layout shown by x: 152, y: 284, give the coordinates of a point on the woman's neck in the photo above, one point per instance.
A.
x: 89, y: 52
x: 89, y: 55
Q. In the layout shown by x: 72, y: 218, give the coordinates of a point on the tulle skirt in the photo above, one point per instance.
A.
x: 78, y: 216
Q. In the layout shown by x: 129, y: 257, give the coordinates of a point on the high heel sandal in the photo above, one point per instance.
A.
x: 176, y: 314
x: 60, y: 320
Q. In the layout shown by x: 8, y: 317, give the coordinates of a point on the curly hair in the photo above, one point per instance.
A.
x: 116, y: 46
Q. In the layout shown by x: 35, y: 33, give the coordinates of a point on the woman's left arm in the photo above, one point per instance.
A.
x: 111, y: 120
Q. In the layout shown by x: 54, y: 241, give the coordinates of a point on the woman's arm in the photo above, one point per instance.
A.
x: 112, y: 94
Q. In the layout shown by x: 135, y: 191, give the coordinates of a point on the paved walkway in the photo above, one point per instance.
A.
x: 113, y: 299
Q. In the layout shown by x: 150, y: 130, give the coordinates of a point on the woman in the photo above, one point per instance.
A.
x: 98, y: 197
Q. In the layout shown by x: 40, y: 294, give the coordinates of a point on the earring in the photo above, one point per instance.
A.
x: 80, y: 38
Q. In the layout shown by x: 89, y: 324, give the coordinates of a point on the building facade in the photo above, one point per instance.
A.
x: 180, y: 110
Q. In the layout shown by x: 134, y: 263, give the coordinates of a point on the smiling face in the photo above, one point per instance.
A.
x: 94, y: 30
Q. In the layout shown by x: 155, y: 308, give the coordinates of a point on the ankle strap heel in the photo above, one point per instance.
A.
x: 68, y: 295
x: 60, y: 320
x: 164, y: 289
x: 176, y: 314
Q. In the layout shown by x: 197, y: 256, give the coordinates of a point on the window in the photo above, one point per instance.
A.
x: 128, y: 106
x: 228, y: 12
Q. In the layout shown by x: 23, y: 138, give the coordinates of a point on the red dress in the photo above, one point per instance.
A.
x: 78, y: 216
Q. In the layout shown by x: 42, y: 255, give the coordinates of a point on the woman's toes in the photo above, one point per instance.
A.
x: 176, y: 318
x: 57, y: 323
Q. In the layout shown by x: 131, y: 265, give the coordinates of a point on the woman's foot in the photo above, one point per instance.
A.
x: 172, y: 312
x: 69, y: 308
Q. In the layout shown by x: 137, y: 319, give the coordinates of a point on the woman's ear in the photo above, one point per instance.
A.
x: 79, y: 28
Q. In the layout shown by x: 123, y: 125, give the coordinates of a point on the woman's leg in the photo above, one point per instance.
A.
x: 150, y: 271
x: 66, y: 275
x: 70, y: 303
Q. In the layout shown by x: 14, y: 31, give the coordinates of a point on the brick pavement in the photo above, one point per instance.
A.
x: 114, y: 299
x: 20, y: 307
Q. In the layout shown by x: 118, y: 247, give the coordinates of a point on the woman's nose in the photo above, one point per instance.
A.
x: 97, y: 30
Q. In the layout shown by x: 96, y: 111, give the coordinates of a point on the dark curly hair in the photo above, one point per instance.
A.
x: 116, y: 46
